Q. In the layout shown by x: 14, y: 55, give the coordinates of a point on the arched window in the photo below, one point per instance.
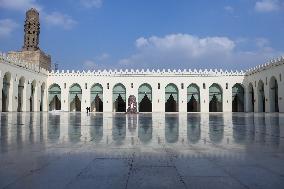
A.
x: 171, y: 98
x: 238, y: 96
x: 75, y: 97
x: 97, y: 98
x: 215, y: 98
x: 145, y: 98
x: 193, y: 98
x: 54, y: 97
x: 119, y: 98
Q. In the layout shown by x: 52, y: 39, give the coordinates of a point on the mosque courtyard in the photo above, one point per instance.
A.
x: 155, y: 150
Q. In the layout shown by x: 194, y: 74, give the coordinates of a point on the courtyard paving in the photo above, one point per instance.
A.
x: 76, y: 150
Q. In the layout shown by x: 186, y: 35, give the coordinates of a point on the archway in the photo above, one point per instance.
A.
x: 54, y: 97
x: 238, y: 96
x: 6, y: 92
x: 145, y: 98
x: 171, y: 98
x: 261, y: 96
x: 215, y: 98
x: 273, y: 95
x: 75, y: 96
x: 97, y: 98
x: 32, y: 97
x: 21, y: 87
x: 119, y: 98
x: 42, y: 91
x: 193, y: 98
x: 250, y: 98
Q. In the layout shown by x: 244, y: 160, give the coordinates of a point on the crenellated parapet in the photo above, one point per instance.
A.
x: 5, y: 59
x: 268, y: 65
x: 147, y: 72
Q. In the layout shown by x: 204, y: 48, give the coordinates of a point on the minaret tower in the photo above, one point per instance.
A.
x: 31, y: 52
x: 32, y: 30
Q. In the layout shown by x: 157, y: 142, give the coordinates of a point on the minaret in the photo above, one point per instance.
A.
x: 32, y: 30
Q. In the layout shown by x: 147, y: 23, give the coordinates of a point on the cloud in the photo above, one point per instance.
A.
x: 22, y: 5
x: 229, y: 9
x: 7, y: 26
x: 89, y: 65
x: 267, y: 5
x: 91, y: 3
x: 180, y: 51
x: 59, y: 20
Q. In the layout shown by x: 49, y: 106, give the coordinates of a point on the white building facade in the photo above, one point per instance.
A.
x: 26, y: 87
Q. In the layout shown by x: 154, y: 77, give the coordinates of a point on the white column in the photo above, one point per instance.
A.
x: 37, y: 97
x: 107, y: 98
x: 1, y: 86
x: 266, y: 94
x: 281, y: 95
x: 182, y: 99
x: 11, y: 95
x: 28, y: 95
x: 204, y: 99
x: 227, y: 98
x: 86, y: 97
x: 15, y: 94
x: 65, y: 98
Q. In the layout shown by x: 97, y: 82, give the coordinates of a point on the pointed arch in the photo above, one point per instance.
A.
x: 215, y: 98
x: 54, y: 97
x: 171, y: 98
x: 273, y: 95
x: 97, y: 98
x: 261, y: 96
x: 6, y: 91
x: 75, y: 97
x: 119, y: 98
x: 238, y: 98
x: 193, y: 98
x: 145, y: 98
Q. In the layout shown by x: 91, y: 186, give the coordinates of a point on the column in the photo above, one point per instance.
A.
x: 86, y: 97
x: 183, y: 99
x: 15, y: 95
x: 1, y: 86
x: 204, y: 98
x: 28, y: 95
x: 11, y: 94
x: 65, y: 98
x: 227, y: 98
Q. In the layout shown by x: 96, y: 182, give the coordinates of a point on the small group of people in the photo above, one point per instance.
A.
x: 88, y: 109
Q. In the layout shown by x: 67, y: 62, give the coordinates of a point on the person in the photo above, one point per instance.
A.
x: 87, y: 110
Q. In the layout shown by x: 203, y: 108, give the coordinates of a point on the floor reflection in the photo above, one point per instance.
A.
x: 242, y: 130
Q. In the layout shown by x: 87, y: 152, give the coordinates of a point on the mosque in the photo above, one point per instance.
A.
x: 28, y: 85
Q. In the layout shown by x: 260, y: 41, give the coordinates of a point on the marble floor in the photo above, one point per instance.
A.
x: 74, y: 150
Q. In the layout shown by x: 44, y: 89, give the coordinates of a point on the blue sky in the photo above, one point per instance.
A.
x: 154, y: 34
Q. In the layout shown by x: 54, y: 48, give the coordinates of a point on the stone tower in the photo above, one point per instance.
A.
x: 32, y: 30
x: 31, y: 52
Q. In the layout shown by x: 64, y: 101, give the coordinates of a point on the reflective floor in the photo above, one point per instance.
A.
x: 74, y: 150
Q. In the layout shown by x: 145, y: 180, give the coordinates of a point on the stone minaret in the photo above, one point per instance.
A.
x: 31, y: 52
x: 32, y: 30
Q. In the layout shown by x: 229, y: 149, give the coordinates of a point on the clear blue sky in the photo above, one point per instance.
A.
x: 98, y: 34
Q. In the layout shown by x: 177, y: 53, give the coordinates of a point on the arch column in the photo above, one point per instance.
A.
x: 86, y: 97
x: 281, y: 96
x: 14, y: 95
x: 227, y: 98
x: 27, y: 98
x: 266, y: 93
x: 204, y: 99
x: 36, y: 98
x: 107, y: 98
x: 248, y: 107
x: 182, y: 96
x: 1, y: 87
x: 65, y: 98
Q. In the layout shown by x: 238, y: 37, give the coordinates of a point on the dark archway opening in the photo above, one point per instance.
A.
x: 97, y: 104
x: 145, y: 105
x: 214, y: 105
x: 120, y: 104
x: 55, y: 104
x: 171, y: 104
x: 192, y: 105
